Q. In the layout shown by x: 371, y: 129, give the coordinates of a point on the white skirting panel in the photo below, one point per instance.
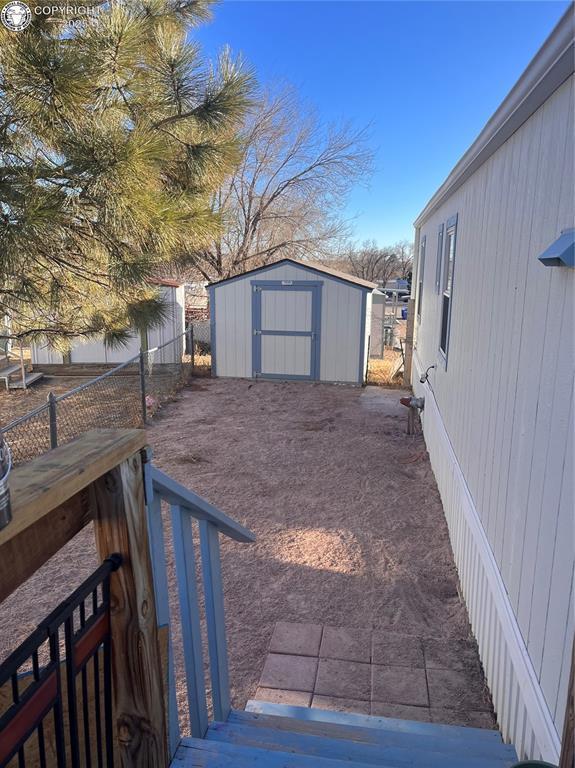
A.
x: 522, y: 713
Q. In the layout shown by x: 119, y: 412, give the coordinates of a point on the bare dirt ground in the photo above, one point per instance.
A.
x: 349, y: 523
x: 18, y: 402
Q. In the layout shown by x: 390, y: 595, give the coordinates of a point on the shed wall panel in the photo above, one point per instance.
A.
x: 506, y: 394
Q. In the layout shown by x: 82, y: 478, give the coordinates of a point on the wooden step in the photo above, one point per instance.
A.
x: 409, y: 751
x: 256, y: 710
x: 202, y: 753
x: 30, y: 378
x: 9, y: 370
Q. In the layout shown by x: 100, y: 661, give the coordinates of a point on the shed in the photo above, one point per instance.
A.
x: 291, y: 320
x: 378, y: 327
x: 90, y: 351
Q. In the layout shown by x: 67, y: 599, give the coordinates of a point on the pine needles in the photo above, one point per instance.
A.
x: 114, y: 136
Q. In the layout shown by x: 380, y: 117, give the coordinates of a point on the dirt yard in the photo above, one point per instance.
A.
x: 349, y: 524
x: 18, y: 402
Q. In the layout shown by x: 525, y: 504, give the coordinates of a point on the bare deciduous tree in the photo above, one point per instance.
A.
x: 404, y: 255
x: 286, y: 195
x: 370, y: 262
x: 379, y: 264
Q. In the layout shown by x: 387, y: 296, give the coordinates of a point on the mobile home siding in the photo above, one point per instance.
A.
x: 500, y: 426
x: 341, y: 323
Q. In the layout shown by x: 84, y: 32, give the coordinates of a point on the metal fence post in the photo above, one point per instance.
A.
x: 53, y: 417
x: 143, y: 387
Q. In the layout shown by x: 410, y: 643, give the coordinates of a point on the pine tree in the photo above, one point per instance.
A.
x: 114, y: 134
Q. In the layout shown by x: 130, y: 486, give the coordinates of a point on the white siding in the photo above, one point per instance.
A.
x: 42, y: 354
x: 376, y: 347
x: 506, y: 398
x: 95, y: 351
x: 173, y: 325
x: 341, y: 323
x: 367, y: 314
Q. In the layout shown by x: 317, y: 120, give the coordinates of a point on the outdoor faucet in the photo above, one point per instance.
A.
x: 425, y: 376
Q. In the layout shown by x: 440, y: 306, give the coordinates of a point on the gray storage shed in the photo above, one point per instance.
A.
x: 291, y: 320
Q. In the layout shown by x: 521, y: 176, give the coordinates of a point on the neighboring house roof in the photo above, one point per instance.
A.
x: 549, y: 68
x: 314, y: 267
x: 165, y: 281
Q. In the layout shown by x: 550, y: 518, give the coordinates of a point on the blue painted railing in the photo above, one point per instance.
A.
x: 185, y: 506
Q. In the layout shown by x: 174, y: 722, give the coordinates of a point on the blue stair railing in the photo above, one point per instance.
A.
x: 186, y: 506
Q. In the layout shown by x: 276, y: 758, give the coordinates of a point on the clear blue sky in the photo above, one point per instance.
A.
x: 426, y: 76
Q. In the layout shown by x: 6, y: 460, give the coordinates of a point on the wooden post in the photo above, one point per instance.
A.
x: 120, y: 526
x: 22, y: 366
x: 409, y: 343
x: 53, y: 417
x: 567, y: 759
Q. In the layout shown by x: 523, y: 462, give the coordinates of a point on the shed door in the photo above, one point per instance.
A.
x: 285, y: 327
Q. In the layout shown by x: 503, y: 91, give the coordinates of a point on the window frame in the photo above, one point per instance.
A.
x: 446, y: 292
x: 439, y: 264
x: 420, y: 276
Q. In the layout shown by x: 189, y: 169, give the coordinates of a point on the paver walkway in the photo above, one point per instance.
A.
x: 375, y: 672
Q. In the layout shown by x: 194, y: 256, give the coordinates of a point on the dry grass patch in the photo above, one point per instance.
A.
x: 203, y: 365
x: 385, y: 372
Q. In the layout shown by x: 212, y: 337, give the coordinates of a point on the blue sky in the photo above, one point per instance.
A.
x: 426, y: 76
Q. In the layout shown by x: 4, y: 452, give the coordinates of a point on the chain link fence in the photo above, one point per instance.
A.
x: 200, y: 346
x: 125, y: 396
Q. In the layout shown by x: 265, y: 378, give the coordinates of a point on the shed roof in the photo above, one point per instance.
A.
x: 347, y: 278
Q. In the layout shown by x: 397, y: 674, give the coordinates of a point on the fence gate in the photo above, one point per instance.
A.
x: 56, y: 687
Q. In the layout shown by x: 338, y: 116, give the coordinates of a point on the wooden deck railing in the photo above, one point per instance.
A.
x: 186, y: 506
x: 105, y: 477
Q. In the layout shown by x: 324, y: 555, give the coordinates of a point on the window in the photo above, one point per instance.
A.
x: 439, y: 259
x: 420, y: 272
x: 447, y: 284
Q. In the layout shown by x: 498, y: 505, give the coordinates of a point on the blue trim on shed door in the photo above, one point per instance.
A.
x: 256, y: 323
x: 257, y: 332
x: 212, y: 293
x: 316, y: 322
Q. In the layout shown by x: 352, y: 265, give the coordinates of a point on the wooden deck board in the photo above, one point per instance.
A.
x: 304, y: 717
x: 401, y: 748
x: 197, y: 753
x: 451, y: 743
x: 50, y: 503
